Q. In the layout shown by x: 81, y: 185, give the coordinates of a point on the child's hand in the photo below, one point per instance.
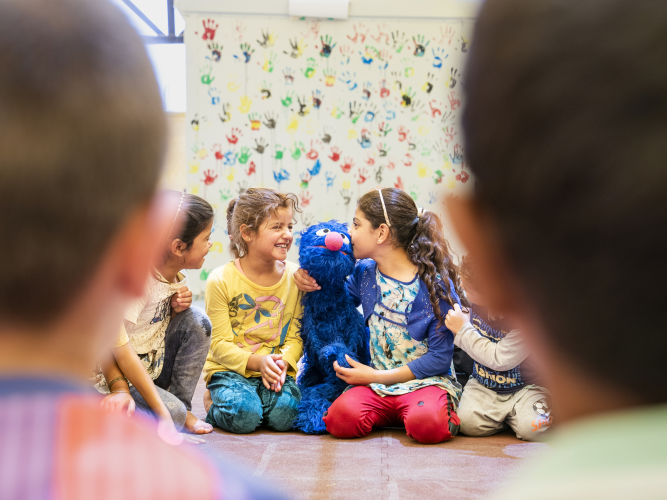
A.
x: 284, y: 366
x: 119, y: 401
x: 270, y: 371
x: 181, y: 300
x: 304, y: 282
x: 358, y: 374
x: 455, y: 319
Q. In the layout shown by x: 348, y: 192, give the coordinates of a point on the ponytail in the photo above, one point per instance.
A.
x: 419, y: 233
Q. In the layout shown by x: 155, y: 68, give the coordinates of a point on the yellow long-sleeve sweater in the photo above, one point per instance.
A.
x: 251, y: 319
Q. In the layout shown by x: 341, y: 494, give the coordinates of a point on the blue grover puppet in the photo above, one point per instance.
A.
x: 331, y: 326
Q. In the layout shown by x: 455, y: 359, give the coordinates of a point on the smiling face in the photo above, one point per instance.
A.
x: 274, y: 238
x: 326, y: 253
x: 195, y: 255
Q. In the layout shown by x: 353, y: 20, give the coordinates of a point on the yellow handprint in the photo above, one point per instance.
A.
x: 230, y: 177
x: 352, y: 134
x: 422, y: 169
x: 450, y: 181
x: 233, y: 85
x: 423, y: 130
x: 346, y: 184
x: 194, y: 166
x: 216, y: 247
x: 293, y: 125
x: 310, y: 126
x: 202, y: 153
x: 194, y: 188
x: 246, y: 102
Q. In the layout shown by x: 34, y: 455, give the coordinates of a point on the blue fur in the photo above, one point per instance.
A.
x: 331, y: 326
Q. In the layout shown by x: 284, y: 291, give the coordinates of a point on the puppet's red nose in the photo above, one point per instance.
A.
x: 333, y: 241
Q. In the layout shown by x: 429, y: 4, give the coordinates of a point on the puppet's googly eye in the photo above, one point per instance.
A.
x: 323, y: 232
x: 345, y: 240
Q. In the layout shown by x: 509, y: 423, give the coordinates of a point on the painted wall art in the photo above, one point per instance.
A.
x: 327, y: 110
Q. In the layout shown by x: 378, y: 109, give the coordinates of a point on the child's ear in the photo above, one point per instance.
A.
x: 246, y: 233
x: 177, y: 247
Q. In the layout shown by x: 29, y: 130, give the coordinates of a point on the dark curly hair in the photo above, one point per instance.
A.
x: 421, y: 237
x: 251, y: 209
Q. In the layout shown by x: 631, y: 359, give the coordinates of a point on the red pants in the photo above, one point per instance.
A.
x: 426, y: 414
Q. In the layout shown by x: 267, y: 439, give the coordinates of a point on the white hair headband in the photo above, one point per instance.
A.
x: 384, y: 208
x: 177, y: 212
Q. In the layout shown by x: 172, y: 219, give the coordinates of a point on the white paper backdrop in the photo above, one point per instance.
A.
x: 327, y: 110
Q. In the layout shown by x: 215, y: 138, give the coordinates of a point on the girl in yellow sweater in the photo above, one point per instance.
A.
x: 253, y: 305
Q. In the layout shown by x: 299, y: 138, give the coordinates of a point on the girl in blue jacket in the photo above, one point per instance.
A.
x: 405, y: 281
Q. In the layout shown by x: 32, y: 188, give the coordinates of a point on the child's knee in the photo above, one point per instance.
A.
x: 346, y: 419
x: 531, y: 429
x: 239, y: 414
x: 281, y: 415
x: 431, y: 427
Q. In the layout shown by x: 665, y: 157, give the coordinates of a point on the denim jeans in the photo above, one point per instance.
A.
x: 241, y: 405
x: 186, y: 344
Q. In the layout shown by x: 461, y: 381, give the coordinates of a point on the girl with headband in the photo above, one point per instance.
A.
x: 406, y: 282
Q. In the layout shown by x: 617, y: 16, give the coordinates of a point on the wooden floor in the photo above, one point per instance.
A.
x: 385, y: 465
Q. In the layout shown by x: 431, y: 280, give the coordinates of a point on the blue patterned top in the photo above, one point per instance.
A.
x: 391, y: 345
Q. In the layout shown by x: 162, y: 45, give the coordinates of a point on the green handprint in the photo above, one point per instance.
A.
x: 287, y: 100
x: 244, y: 155
x: 204, y: 274
x: 268, y: 63
x: 414, y: 192
x: 279, y: 152
x: 311, y: 64
x: 206, y: 77
x: 297, y: 150
x: 225, y: 195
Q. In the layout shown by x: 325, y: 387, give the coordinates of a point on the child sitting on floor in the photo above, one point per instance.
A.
x: 170, y: 337
x: 501, y: 391
x: 405, y: 284
x: 253, y: 304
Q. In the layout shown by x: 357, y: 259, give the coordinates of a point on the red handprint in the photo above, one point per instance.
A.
x: 370, y: 161
x: 358, y: 34
x: 209, y: 177
x: 453, y: 101
x: 399, y: 183
x: 407, y: 161
x: 391, y: 165
x: 384, y: 91
x: 402, y: 133
x: 312, y: 154
x: 335, y: 153
x: 347, y: 165
x: 362, y: 176
x: 209, y: 29
x: 382, y: 37
x: 449, y: 134
x: 463, y: 177
x: 305, y: 198
x: 251, y: 168
x: 217, y: 150
x: 434, y: 111
x: 236, y: 133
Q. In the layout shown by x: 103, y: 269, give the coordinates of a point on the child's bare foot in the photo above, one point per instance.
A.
x: 207, y: 400
x: 195, y: 426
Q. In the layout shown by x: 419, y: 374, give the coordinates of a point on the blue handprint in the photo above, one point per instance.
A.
x: 437, y: 57
x: 281, y: 175
x: 348, y: 79
x: 316, y: 168
x: 229, y: 158
x: 330, y: 179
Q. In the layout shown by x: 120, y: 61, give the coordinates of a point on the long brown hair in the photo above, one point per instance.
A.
x: 251, y: 209
x: 421, y: 237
